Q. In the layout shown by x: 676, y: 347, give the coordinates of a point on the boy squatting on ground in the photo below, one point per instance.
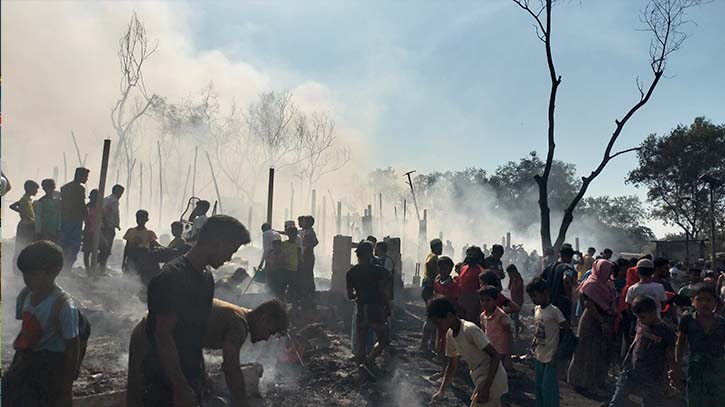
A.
x: 548, y: 319
x: 47, y: 348
x: 179, y: 304
x: 228, y: 328
x: 465, y: 339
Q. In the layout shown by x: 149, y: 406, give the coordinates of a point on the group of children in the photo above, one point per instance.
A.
x: 650, y: 370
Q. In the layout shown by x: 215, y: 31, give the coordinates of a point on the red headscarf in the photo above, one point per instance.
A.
x: 597, y: 286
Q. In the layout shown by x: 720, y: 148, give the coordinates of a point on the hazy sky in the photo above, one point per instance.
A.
x: 437, y: 86
x: 434, y: 85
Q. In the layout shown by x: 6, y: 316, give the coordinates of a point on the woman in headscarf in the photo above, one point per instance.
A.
x: 592, y: 357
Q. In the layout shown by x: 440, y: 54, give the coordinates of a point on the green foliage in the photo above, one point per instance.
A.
x: 670, y: 167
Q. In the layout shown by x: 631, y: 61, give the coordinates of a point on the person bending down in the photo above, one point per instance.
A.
x: 465, y: 339
x: 228, y: 328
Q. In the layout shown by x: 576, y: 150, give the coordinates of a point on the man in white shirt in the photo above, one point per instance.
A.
x: 111, y: 223
x: 465, y: 339
x: 646, y: 285
x: 269, y: 235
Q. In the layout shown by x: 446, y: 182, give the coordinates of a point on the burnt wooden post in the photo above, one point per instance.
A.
x: 270, y: 195
x: 96, y: 233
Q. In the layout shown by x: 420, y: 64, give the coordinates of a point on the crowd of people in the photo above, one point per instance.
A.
x: 593, y: 317
x: 629, y: 321
x: 166, y: 366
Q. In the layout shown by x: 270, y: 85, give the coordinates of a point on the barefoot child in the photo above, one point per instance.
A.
x: 465, y: 339
x: 497, y: 326
x: 548, y: 319
x: 702, y: 333
x: 47, y: 348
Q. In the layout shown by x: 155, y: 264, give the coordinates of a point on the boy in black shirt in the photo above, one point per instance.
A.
x: 179, y: 302
x: 366, y: 285
x: 645, y: 368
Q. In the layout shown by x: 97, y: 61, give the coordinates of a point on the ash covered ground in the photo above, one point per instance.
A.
x: 328, y: 377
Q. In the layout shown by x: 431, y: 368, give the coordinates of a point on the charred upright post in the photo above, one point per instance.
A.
x: 270, y: 195
x: 96, y: 236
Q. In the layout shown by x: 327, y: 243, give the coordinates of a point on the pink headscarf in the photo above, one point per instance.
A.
x: 598, y: 287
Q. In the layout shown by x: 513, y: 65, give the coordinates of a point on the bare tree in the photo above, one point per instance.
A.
x: 270, y: 122
x: 318, y: 150
x: 664, y: 20
x: 134, y: 102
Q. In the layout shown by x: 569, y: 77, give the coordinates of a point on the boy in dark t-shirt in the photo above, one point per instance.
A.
x: 366, y: 285
x: 649, y: 360
x: 179, y: 302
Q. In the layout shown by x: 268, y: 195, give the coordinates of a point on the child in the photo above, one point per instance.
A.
x: 645, y: 367
x: 177, y: 229
x: 465, y: 339
x: 497, y: 326
x: 430, y: 271
x: 489, y: 278
x: 547, y: 321
x: 136, y: 254
x: 47, y: 348
x: 516, y: 288
x: 646, y: 285
x: 24, y: 207
x: 47, y: 214
x: 198, y: 217
x: 703, y: 334
x: 445, y: 286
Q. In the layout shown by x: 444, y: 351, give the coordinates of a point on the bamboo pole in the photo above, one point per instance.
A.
x: 338, y: 214
x: 380, y: 196
x: 323, y: 226
x: 184, y: 199
x: 78, y: 150
x: 129, y: 181
x: 314, y: 199
x: 193, y: 179
x: 55, y: 174
x: 65, y: 169
x: 140, y: 191
x: 96, y: 233
x: 151, y: 183
x: 216, y: 186
x: 161, y: 183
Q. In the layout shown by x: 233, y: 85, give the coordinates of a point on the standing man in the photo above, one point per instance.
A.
x: 268, y: 236
x: 179, y: 303
x: 560, y: 281
x: 308, y: 241
x: 494, y: 261
x: 366, y: 286
x: 72, y: 214
x: 111, y: 223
